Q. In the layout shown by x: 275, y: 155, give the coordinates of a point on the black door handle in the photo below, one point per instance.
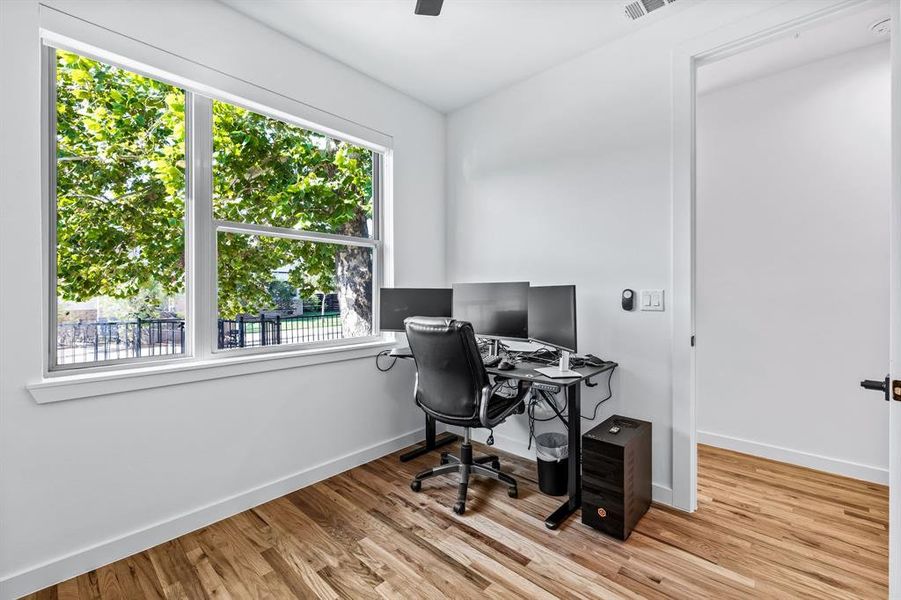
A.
x: 879, y: 386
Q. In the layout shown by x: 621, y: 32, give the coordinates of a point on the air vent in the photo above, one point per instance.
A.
x: 640, y: 8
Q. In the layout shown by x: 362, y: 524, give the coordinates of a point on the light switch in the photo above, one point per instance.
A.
x: 652, y: 300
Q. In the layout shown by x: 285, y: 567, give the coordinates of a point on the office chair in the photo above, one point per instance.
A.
x: 452, y: 386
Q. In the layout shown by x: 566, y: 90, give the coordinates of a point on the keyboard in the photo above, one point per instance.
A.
x: 491, y: 360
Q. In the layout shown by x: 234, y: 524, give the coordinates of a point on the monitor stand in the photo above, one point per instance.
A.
x: 562, y: 370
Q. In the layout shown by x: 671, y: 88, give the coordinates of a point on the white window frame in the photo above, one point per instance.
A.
x: 202, y: 108
x: 202, y: 358
x: 49, y: 169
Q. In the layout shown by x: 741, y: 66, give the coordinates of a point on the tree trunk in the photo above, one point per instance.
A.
x: 354, y: 278
x: 353, y: 275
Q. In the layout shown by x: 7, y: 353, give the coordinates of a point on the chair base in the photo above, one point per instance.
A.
x: 466, y: 466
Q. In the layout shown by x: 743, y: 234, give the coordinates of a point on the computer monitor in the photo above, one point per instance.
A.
x: 396, y: 304
x: 496, y: 310
x: 552, y: 316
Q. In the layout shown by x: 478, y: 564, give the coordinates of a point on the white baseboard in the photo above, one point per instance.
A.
x: 659, y: 493
x: 82, y: 561
x: 662, y: 494
x: 796, y: 457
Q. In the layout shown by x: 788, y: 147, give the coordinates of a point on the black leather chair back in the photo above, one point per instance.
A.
x: 450, y: 373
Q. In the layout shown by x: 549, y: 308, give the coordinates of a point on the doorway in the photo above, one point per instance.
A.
x: 793, y: 195
x: 779, y: 25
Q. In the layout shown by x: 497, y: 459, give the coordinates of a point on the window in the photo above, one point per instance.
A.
x: 294, y: 251
x: 120, y: 214
x: 286, y: 274
x: 296, y: 262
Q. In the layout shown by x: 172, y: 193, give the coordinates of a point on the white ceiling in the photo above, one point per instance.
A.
x: 796, y: 48
x: 474, y: 48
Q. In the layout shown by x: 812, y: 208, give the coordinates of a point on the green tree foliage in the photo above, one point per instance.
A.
x: 120, y: 182
x: 121, y: 195
x: 269, y: 172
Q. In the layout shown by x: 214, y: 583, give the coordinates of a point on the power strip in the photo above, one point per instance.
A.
x: 547, y: 387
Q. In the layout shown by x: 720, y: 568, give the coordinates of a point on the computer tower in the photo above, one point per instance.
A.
x: 616, y: 475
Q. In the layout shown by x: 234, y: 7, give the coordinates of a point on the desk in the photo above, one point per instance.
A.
x: 525, y: 371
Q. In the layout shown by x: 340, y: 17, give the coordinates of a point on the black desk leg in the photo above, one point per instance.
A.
x: 431, y: 441
x: 574, y: 503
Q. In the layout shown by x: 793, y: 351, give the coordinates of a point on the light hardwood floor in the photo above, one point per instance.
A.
x: 763, y: 529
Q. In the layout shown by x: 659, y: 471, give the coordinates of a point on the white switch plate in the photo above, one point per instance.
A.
x: 651, y: 300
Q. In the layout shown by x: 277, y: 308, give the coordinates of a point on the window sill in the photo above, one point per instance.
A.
x: 88, y: 385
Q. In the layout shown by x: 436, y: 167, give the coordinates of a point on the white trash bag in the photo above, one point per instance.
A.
x: 552, y: 447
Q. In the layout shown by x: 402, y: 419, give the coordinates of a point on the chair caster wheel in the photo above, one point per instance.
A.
x: 512, y: 492
x: 459, y: 508
x: 496, y: 465
x: 444, y: 458
x: 415, y: 485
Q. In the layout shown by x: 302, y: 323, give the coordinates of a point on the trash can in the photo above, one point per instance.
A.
x: 553, y: 468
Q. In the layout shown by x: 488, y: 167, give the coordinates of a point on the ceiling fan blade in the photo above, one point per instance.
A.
x: 431, y: 8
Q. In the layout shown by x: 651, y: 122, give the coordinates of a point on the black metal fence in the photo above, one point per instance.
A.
x: 267, y: 330
x: 116, y: 340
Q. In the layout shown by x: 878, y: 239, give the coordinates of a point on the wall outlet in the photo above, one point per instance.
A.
x: 651, y: 300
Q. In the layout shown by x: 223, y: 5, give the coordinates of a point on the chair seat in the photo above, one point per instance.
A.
x: 497, y: 405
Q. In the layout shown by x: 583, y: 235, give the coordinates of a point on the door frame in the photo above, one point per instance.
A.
x: 894, y: 530
x: 726, y: 41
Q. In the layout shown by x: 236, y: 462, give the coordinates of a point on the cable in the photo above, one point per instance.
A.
x: 562, y: 414
x: 510, y: 387
x: 552, y: 402
x: 531, y: 412
x: 533, y: 402
x: 382, y: 354
x: 594, y: 414
x: 542, y: 355
x: 484, y: 345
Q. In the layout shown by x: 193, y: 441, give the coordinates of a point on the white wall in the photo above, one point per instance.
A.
x: 792, y: 263
x: 101, y: 478
x: 566, y: 178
